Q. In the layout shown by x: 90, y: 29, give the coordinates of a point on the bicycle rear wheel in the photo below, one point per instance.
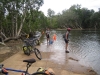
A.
x: 38, y: 42
x: 38, y: 54
x: 26, y: 50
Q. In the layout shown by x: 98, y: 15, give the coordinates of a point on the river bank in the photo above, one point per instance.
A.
x: 13, y: 52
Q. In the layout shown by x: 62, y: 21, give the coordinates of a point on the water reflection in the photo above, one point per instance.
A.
x: 85, y: 45
x: 58, y: 48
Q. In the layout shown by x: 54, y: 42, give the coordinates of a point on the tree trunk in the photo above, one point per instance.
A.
x: 95, y: 26
x: 21, y: 25
x: 12, y: 34
x: 16, y: 27
x: 3, y: 35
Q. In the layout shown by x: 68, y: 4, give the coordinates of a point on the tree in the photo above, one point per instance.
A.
x: 95, y: 20
x: 14, y: 14
x: 51, y: 14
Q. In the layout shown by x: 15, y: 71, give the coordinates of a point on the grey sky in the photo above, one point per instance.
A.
x: 59, y: 5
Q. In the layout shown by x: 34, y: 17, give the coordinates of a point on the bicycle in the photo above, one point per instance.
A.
x: 29, y: 47
x: 29, y: 62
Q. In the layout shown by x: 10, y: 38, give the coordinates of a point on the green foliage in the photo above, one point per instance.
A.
x: 74, y: 17
x: 13, y: 13
x: 51, y: 13
x: 24, y: 16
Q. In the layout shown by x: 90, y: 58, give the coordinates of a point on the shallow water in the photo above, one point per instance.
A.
x: 83, y: 44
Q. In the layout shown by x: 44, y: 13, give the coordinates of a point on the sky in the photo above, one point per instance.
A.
x: 59, y: 5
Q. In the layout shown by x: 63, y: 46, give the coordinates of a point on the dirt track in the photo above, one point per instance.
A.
x: 70, y: 67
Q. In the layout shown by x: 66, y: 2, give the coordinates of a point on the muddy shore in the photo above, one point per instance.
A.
x: 71, y: 65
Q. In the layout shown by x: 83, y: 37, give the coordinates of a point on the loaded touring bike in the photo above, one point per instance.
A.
x: 4, y: 70
x: 29, y: 47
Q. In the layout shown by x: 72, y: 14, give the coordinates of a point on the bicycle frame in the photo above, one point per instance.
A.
x: 25, y: 73
x: 29, y: 63
x: 31, y: 48
x: 21, y: 71
x: 30, y: 41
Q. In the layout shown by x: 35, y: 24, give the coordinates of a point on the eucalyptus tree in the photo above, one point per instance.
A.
x: 50, y: 14
x: 42, y: 20
x: 75, y: 17
x: 2, y: 13
x: 15, y: 13
x: 69, y: 17
x: 10, y: 9
x: 59, y: 20
x: 95, y: 20
x: 30, y: 6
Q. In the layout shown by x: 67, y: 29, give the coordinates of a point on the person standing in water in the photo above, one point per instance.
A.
x: 54, y: 37
x: 48, y: 35
x: 67, y: 39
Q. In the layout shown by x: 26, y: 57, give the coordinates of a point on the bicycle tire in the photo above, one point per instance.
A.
x: 35, y: 42
x: 39, y: 73
x: 26, y: 50
x: 38, y: 53
x: 38, y: 42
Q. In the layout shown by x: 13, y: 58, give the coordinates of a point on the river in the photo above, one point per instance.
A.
x: 83, y: 44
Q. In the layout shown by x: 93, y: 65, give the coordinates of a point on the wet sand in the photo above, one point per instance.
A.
x: 69, y: 66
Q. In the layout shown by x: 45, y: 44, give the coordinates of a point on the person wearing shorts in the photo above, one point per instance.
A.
x: 66, y: 39
x: 48, y: 35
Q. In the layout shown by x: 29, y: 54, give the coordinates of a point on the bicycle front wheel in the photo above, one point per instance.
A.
x: 39, y: 73
x: 38, y: 54
x: 38, y: 42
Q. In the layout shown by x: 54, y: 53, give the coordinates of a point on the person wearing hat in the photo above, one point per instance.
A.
x: 67, y: 39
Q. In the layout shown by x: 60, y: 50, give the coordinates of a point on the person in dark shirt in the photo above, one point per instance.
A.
x: 48, y: 35
x: 67, y: 39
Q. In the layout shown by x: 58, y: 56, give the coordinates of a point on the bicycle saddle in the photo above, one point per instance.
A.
x: 30, y: 60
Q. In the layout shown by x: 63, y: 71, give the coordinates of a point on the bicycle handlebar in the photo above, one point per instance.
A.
x: 29, y: 40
